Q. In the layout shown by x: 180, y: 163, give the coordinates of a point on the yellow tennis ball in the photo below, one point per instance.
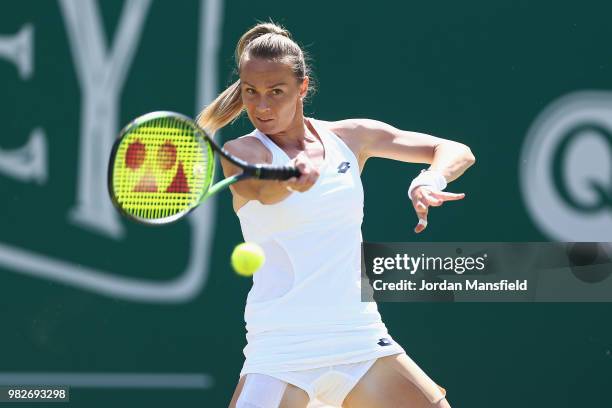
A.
x: 247, y: 258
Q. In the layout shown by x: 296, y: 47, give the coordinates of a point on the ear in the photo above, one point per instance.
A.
x: 304, y: 87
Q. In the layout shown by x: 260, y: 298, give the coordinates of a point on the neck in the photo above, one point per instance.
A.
x: 296, y: 135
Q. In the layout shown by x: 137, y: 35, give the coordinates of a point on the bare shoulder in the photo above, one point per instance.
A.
x: 356, y: 125
x: 355, y: 128
x: 354, y: 132
x: 249, y: 149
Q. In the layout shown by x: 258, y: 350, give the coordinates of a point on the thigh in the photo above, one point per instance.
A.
x: 395, y: 381
x: 237, y: 392
x: 293, y: 397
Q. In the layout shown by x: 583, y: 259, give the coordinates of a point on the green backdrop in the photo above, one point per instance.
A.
x: 479, y: 72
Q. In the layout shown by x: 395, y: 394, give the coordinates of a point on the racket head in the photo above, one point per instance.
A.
x: 161, y: 166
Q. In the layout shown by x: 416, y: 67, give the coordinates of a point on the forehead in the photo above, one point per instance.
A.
x: 262, y: 72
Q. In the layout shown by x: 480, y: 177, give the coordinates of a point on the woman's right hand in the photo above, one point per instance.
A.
x: 307, y: 179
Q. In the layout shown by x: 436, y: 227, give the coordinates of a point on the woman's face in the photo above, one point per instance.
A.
x: 271, y: 95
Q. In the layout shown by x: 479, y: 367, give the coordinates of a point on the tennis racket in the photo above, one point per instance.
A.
x: 162, y: 167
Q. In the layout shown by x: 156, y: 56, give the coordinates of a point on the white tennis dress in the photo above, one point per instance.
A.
x: 304, y: 310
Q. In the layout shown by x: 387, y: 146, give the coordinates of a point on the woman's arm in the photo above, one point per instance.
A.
x: 371, y: 138
x: 447, y: 159
x: 252, y: 150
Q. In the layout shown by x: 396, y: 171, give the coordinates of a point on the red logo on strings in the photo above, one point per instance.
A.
x: 135, y: 158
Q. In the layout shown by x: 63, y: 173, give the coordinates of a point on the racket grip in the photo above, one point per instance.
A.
x: 277, y: 172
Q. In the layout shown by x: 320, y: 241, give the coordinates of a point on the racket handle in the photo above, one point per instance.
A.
x: 276, y: 172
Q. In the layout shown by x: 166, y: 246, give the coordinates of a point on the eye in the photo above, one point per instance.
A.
x: 250, y: 91
x: 277, y: 91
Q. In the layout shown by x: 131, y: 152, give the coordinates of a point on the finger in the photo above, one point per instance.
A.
x: 422, y: 215
x: 288, y: 182
x: 417, y: 193
x: 422, y: 211
x: 431, y: 200
x: 445, y: 196
x: 312, y: 178
x: 421, y: 225
x: 420, y: 207
x: 307, y: 181
x: 300, y: 166
x: 303, y: 179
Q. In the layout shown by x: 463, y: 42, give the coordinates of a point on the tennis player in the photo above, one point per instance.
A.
x: 309, y: 337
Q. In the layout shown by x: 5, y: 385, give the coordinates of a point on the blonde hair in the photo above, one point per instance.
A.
x: 265, y: 40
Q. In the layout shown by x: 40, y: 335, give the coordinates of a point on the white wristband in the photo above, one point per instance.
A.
x: 429, y: 178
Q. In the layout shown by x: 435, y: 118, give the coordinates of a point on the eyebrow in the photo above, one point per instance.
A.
x: 271, y: 86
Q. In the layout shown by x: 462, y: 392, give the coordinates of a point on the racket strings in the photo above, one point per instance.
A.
x: 162, y: 168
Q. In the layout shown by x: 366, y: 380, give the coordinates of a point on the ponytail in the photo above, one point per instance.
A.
x: 224, y: 109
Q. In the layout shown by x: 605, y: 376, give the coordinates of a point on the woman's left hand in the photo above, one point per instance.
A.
x: 423, y: 197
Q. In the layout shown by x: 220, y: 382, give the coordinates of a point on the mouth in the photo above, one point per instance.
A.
x: 264, y: 120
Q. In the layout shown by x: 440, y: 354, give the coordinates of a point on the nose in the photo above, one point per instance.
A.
x: 262, y: 105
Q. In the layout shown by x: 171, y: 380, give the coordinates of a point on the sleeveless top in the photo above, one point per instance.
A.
x: 304, y: 310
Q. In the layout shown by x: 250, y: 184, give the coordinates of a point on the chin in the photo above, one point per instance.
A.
x: 266, y: 127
